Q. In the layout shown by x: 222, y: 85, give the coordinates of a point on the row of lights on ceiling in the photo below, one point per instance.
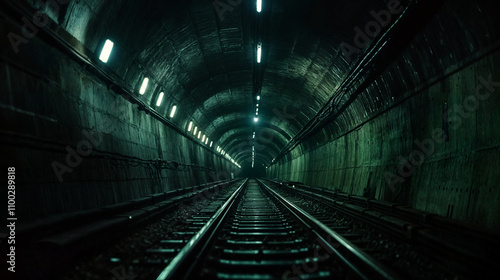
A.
x: 259, y: 59
x: 255, y: 119
x: 104, y: 57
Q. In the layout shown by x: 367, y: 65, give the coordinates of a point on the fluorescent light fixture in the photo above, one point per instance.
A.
x: 257, y: 110
x: 255, y: 119
x: 211, y: 143
x: 199, y: 134
x: 259, y: 52
x: 259, y: 6
x: 190, y: 126
x: 257, y: 105
x: 172, y: 113
x: 206, y: 141
x: 203, y: 138
x: 195, y: 129
x: 160, y: 99
x: 144, y: 86
x: 106, y: 51
x: 258, y: 97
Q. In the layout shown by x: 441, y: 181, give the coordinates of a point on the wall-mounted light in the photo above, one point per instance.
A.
x: 106, y: 51
x: 144, y: 86
x: 172, y: 113
x: 160, y: 99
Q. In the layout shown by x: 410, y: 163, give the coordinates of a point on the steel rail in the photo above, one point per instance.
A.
x: 188, y: 258
x: 358, y: 261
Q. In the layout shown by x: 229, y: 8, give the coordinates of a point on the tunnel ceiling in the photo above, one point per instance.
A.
x: 205, y: 60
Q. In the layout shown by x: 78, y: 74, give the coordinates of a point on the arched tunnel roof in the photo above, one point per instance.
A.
x: 202, y: 54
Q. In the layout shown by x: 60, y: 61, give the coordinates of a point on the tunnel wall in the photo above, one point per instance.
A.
x: 402, y: 154
x: 439, y: 88
x: 58, y: 118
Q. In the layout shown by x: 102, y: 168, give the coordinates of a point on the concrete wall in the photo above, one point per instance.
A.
x: 457, y: 178
x: 47, y: 104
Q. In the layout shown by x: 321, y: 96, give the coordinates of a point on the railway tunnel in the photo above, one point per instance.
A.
x: 119, y: 116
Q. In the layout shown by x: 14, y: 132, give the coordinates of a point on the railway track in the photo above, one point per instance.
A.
x: 453, y: 250
x: 98, y: 243
x: 252, y: 229
x: 258, y: 234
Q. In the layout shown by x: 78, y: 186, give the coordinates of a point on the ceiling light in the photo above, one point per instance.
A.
x: 259, y: 6
x: 211, y: 143
x: 258, y: 97
x: 203, y: 138
x: 206, y: 141
x: 190, y: 126
x: 195, y: 129
x: 255, y: 119
x: 199, y: 134
x: 106, y: 51
x: 259, y: 52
